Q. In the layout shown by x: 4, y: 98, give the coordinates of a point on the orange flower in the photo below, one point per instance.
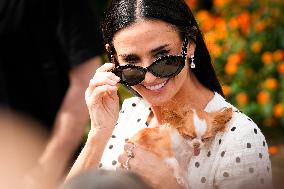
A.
x: 260, y: 26
x: 203, y: 15
x: 205, y: 19
x: 273, y: 150
x: 221, y: 28
x: 231, y: 69
x: 271, y: 83
x: 256, y: 46
x: 267, y: 57
x: 278, y: 55
x: 220, y: 3
x: 262, y: 97
x: 242, y: 99
x: 226, y: 90
x: 280, y: 68
x: 215, y: 50
x: 234, y: 58
x: 233, y: 23
x: 244, y: 21
x: 211, y: 37
x: 278, y: 110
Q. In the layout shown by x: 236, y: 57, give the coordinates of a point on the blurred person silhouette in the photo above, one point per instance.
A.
x: 22, y: 140
x: 106, y: 179
x: 48, y: 53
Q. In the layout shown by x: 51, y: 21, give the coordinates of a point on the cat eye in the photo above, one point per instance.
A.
x: 188, y: 137
x: 205, y: 139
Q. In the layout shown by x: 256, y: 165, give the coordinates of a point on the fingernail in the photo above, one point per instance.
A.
x: 117, y: 79
x: 114, y: 87
x: 113, y: 82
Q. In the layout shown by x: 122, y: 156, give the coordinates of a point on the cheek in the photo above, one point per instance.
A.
x: 181, y: 78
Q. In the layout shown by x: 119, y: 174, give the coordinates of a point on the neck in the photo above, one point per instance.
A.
x: 192, y: 95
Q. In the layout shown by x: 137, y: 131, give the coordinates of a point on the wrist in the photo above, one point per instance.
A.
x: 100, y: 133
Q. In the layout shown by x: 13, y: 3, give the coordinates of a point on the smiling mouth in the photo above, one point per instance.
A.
x: 156, y: 87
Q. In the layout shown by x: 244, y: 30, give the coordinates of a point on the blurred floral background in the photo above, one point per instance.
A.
x: 246, y: 42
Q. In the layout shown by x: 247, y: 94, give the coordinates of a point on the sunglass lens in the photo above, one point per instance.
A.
x: 132, y: 76
x: 168, y: 66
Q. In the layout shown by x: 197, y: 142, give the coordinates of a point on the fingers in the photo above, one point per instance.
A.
x: 129, y: 153
x: 102, y: 78
x: 105, y: 67
x: 103, y: 81
x: 128, y: 145
x: 99, y: 92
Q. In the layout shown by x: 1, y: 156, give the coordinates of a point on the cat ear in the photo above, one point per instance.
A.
x: 221, y: 118
x: 172, y: 117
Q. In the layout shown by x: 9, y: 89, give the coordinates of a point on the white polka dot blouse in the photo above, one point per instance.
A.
x: 237, y: 158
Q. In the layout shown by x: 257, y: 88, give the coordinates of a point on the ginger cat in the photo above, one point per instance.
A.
x: 181, y: 136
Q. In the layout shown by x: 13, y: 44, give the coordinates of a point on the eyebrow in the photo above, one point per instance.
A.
x: 156, y: 50
x: 153, y: 51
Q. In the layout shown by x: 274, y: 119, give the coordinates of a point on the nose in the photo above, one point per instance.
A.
x: 149, y: 78
x: 196, y: 145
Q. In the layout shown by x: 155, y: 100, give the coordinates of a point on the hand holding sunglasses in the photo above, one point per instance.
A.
x: 164, y: 67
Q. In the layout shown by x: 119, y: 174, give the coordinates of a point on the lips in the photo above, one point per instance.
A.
x: 156, y: 87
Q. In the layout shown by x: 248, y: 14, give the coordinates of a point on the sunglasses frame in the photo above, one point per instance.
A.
x: 118, y: 69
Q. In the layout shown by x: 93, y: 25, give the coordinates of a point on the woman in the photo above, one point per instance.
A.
x: 142, y: 34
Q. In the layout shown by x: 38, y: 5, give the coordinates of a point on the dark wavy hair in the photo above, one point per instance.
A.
x: 123, y: 13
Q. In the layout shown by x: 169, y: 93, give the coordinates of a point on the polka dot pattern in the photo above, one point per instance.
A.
x: 197, y: 164
x: 248, y: 145
x: 231, y: 152
x: 209, y: 154
x: 225, y: 174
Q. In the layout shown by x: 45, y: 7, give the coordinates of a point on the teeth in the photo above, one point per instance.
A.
x: 156, y: 87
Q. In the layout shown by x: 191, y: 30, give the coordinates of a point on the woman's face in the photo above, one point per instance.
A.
x: 141, y: 44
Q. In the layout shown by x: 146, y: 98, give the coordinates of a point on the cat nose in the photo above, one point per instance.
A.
x: 196, y: 145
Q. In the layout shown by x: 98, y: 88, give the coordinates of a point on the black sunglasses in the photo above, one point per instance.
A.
x: 165, y: 66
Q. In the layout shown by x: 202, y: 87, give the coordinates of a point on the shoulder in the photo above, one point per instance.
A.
x: 243, y: 128
x: 244, y: 157
x: 240, y: 126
